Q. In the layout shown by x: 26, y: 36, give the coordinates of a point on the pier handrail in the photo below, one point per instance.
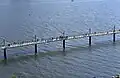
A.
x: 54, y: 39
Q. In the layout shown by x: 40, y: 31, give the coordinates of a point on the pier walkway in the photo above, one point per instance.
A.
x: 36, y: 41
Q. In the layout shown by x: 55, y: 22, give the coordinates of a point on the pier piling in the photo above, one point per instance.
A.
x: 63, y: 45
x: 35, y: 49
x: 114, y: 34
x: 5, y: 54
x: 35, y: 45
x: 90, y: 37
x: 63, y: 42
x: 5, y: 50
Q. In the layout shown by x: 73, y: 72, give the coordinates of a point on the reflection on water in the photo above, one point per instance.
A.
x: 22, y: 20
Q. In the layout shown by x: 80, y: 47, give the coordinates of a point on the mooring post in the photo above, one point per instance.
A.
x: 35, y: 45
x: 63, y: 42
x: 114, y: 34
x: 5, y: 50
x: 89, y: 37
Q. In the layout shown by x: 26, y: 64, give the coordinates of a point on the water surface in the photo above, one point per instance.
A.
x: 22, y: 19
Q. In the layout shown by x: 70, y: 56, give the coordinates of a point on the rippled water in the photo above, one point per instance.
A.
x: 22, y: 19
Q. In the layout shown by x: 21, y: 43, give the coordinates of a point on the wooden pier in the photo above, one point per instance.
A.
x: 63, y: 38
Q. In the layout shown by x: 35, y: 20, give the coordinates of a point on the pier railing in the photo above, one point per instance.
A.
x: 63, y: 38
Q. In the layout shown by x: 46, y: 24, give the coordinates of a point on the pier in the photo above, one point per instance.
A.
x: 62, y: 38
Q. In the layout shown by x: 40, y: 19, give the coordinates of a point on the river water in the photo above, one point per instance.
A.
x: 22, y: 19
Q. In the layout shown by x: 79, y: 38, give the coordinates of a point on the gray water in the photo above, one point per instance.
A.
x: 22, y: 19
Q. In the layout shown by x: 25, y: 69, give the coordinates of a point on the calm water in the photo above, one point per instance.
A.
x: 22, y: 19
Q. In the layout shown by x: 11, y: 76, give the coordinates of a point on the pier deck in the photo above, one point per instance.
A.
x: 54, y: 39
